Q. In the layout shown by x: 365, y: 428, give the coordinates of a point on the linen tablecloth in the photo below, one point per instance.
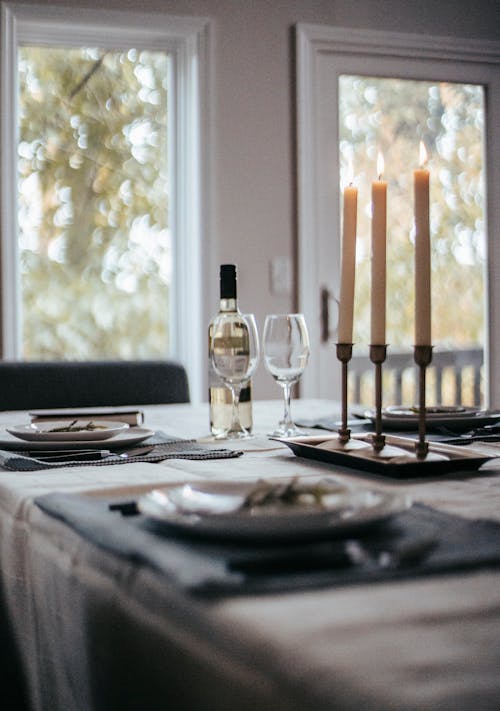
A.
x: 95, y: 632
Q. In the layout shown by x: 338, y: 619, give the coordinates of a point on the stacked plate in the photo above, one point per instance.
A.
x: 456, y: 418
x: 64, y: 434
x: 275, y: 509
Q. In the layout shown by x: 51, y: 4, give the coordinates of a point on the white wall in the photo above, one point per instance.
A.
x: 252, y: 165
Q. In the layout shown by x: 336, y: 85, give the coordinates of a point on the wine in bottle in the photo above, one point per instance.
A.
x: 219, y: 396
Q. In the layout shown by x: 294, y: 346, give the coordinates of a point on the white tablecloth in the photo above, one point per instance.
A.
x: 95, y: 632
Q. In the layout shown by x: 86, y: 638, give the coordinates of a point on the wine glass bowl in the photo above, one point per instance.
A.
x: 286, y: 353
x: 234, y: 352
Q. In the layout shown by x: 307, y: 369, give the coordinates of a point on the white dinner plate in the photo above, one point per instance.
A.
x: 124, y: 438
x: 86, y: 430
x: 213, y: 508
x: 453, y: 416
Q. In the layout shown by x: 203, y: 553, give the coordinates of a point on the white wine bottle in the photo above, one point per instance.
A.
x: 219, y: 396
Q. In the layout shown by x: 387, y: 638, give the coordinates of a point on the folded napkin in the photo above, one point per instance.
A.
x: 210, y: 568
x: 164, y: 447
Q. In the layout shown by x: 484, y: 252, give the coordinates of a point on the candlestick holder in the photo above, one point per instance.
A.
x: 378, y: 355
x: 344, y: 355
x: 422, y: 357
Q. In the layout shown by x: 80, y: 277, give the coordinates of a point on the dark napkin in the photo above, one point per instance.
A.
x: 361, y: 426
x: 333, y: 422
x: 204, y: 567
x: 164, y: 447
x: 452, y: 432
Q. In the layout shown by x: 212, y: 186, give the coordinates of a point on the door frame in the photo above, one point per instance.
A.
x: 322, y: 54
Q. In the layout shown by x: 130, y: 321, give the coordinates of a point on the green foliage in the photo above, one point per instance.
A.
x: 392, y: 116
x: 95, y: 243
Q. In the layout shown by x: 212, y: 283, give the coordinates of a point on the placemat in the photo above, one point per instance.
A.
x: 164, y: 447
x: 206, y: 568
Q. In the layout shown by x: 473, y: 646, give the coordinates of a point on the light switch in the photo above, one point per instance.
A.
x: 281, y: 275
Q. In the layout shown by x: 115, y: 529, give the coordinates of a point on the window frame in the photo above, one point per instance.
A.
x: 377, y: 53
x: 186, y: 39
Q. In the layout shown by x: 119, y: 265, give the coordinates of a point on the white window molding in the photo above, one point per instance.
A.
x: 186, y: 39
x: 323, y: 53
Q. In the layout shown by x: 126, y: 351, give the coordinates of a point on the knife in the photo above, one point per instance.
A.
x: 332, y: 555
x: 62, y: 455
x: 318, y: 556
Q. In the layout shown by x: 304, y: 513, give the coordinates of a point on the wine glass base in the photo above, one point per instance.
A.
x: 291, y: 431
x: 234, y: 434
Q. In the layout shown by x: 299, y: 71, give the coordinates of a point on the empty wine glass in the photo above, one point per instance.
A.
x: 234, y: 351
x: 286, y: 352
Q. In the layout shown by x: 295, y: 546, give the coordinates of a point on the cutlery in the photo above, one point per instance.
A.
x: 76, y: 455
x: 333, y: 555
x: 468, y: 439
x: 318, y: 556
x: 486, y: 433
x: 126, y: 508
x: 406, y: 554
x: 69, y: 455
x: 133, y: 452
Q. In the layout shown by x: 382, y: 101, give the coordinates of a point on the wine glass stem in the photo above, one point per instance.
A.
x: 287, y: 418
x: 235, y: 418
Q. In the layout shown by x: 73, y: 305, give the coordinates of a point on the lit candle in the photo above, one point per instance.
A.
x: 379, y: 235
x: 422, y: 253
x: 347, y: 276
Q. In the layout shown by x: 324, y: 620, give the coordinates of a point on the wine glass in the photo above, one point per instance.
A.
x: 286, y: 352
x: 234, y: 351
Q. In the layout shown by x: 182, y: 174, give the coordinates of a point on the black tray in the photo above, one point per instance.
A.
x: 454, y: 458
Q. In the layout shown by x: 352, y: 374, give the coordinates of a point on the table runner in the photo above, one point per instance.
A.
x: 210, y: 568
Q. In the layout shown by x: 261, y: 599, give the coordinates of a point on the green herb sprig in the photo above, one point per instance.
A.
x: 73, y: 427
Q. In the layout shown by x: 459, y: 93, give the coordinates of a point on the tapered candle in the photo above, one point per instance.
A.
x: 379, y: 236
x: 348, y: 265
x: 422, y: 253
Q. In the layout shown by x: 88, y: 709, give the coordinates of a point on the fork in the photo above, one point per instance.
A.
x: 406, y: 554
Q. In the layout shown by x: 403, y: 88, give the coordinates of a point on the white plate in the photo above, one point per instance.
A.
x: 51, y: 431
x: 213, y: 508
x: 462, y: 417
x: 125, y: 438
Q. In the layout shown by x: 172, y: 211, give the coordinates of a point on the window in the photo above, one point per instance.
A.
x: 102, y: 239
x: 415, y: 81
x: 392, y: 116
x: 95, y: 246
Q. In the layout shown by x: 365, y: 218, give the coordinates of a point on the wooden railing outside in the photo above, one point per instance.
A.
x: 453, y: 378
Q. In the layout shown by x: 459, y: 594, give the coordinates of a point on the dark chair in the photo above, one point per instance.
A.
x: 26, y: 385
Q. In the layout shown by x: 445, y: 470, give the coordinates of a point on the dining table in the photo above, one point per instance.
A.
x: 103, y: 607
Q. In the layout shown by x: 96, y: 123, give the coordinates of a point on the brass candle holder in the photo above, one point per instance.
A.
x: 378, y: 354
x: 422, y: 357
x: 344, y: 355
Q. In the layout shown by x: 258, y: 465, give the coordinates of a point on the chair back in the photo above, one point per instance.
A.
x: 28, y: 385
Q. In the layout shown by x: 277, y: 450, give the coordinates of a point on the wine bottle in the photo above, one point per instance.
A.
x: 219, y: 396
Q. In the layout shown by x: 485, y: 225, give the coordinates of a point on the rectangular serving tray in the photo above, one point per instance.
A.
x: 442, y: 458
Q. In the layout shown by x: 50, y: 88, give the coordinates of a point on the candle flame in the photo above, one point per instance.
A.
x: 380, y: 164
x: 423, y: 154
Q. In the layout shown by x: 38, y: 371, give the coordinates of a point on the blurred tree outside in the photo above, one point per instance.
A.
x: 94, y: 235
x: 392, y: 116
